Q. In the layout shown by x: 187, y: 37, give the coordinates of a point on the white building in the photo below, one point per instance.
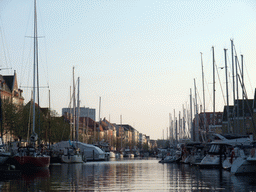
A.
x: 84, y: 112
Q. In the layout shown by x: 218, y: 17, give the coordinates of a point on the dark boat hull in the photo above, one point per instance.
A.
x: 30, y: 162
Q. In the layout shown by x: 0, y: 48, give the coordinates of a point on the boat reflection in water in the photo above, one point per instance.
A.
x: 142, y: 175
x: 130, y: 175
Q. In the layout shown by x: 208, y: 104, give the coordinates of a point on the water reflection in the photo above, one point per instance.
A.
x: 130, y: 175
x: 29, y: 181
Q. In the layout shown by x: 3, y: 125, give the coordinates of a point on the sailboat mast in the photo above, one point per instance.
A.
x: 213, y: 61
x: 191, y: 119
x: 242, y: 63
x: 74, y: 104
x: 99, y: 119
x: 78, y: 108
x: 170, y: 127
x: 233, y: 78
x: 70, y: 116
x: 34, y: 66
x: 196, y: 116
x: 226, y: 70
x: 237, y: 93
x: 49, y: 119
x: 121, y: 131
x: 203, y: 90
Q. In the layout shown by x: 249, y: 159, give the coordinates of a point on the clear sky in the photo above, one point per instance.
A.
x: 140, y: 56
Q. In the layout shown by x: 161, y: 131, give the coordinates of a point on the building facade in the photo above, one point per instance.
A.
x: 9, y: 89
x: 84, y: 112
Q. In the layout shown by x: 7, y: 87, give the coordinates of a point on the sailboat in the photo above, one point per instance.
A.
x: 29, y: 157
x: 72, y: 153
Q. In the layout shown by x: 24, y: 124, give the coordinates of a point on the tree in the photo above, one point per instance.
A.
x: 59, y: 129
x: 17, y: 120
x: 145, y: 146
x: 12, y: 117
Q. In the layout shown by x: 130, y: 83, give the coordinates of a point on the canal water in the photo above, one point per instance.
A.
x: 129, y: 175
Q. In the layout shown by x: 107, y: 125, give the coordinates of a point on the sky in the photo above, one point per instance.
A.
x: 140, y: 57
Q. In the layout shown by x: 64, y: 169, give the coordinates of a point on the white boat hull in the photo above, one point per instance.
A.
x: 71, y: 159
x: 112, y: 155
x: 168, y: 159
x: 210, y: 161
x: 241, y: 165
x: 90, y: 152
x: 131, y: 155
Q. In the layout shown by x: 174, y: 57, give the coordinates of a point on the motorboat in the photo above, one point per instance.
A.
x: 218, y: 149
x: 72, y: 155
x: 187, y: 155
x: 112, y: 154
x: 197, y: 154
x: 168, y: 159
x: 245, y: 162
x: 88, y: 151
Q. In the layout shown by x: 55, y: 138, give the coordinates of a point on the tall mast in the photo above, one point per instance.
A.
x: 226, y: 70
x: 237, y: 93
x: 213, y: 85
x: 191, y: 119
x: 175, y: 124
x: 203, y: 90
x: 183, y: 122
x: 99, y: 119
x: 78, y: 108
x: 87, y: 125
x: 34, y: 66
x: 196, y: 115
x: 170, y: 127
x: 242, y: 63
x: 49, y: 113
x: 180, y: 124
x: 70, y: 116
x: 121, y: 131
x: 233, y: 77
x: 74, y: 104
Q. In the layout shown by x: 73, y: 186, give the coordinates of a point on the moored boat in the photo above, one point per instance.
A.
x: 88, y: 151
x: 245, y: 162
x: 31, y: 157
x: 218, y: 148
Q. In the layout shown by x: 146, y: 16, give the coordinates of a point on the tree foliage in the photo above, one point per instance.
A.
x: 17, y: 120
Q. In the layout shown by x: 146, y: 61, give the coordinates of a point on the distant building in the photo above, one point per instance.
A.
x: 213, y: 124
x: 10, y: 92
x: 84, y: 112
x: 242, y: 117
x: 9, y: 89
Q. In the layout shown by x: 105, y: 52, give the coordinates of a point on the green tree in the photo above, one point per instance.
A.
x: 18, y: 121
x: 145, y: 146
x: 60, y: 129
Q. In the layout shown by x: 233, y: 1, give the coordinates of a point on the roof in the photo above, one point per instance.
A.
x: 127, y: 127
x: 247, y: 105
x: 9, y: 81
x: 91, y: 123
x: 224, y: 117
